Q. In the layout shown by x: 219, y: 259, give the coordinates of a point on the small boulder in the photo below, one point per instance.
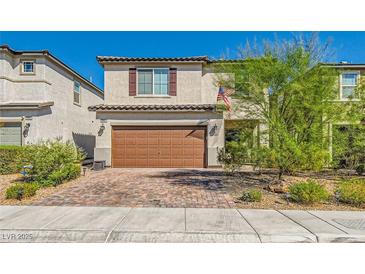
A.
x: 277, y: 186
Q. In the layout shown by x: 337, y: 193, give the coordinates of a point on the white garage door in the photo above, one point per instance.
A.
x: 11, y: 134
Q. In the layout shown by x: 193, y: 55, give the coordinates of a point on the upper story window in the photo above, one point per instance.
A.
x: 348, y: 83
x: 27, y: 67
x: 77, y: 93
x: 153, y: 81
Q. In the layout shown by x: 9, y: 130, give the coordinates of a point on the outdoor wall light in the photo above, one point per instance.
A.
x: 101, y: 130
x: 26, y: 130
x: 213, y: 130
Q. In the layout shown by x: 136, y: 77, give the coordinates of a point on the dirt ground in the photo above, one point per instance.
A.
x: 175, y: 188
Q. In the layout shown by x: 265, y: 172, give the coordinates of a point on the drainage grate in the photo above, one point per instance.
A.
x: 358, y: 224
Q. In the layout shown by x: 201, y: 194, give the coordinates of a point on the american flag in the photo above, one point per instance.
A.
x: 223, y: 95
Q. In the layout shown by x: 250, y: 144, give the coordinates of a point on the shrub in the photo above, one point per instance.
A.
x: 21, y: 190
x: 360, y: 169
x: 233, y: 156
x: 66, y: 173
x: 252, y: 195
x: 348, y: 146
x: 53, y: 159
x: 352, y: 192
x: 10, y: 159
x: 308, y: 192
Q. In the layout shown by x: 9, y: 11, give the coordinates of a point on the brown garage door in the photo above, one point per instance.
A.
x: 158, y: 147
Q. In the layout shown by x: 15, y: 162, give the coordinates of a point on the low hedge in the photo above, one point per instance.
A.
x: 10, y: 159
x: 308, y: 192
x: 352, y: 192
x: 21, y: 190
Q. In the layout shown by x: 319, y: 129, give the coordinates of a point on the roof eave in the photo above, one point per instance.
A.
x: 25, y: 105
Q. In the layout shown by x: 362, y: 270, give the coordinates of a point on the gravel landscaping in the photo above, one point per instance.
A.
x: 8, y: 180
x: 174, y: 188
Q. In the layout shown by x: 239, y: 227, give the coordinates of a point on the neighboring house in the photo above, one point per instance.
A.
x: 42, y: 98
x: 350, y: 76
x: 161, y: 112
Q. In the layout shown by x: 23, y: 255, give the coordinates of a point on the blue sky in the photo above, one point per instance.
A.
x: 79, y: 49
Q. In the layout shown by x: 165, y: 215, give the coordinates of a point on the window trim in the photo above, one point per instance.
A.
x: 79, y: 92
x: 153, y: 82
x: 357, y: 72
x: 22, y: 61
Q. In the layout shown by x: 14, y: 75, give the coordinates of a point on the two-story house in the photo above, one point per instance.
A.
x: 42, y: 98
x: 160, y: 112
x: 350, y: 77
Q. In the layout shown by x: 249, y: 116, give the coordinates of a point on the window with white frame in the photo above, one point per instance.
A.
x: 28, y: 67
x: 153, y: 81
x: 348, y: 84
x: 77, y: 93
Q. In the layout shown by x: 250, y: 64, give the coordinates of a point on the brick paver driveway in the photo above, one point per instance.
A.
x: 146, y: 188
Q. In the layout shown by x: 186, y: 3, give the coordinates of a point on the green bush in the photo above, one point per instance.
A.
x: 252, y: 195
x: 352, y: 192
x: 10, y: 159
x: 66, y: 173
x: 53, y: 162
x: 21, y: 190
x: 233, y: 156
x: 308, y: 192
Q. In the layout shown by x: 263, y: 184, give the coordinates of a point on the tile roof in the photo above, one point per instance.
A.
x: 102, y: 59
x: 202, y: 107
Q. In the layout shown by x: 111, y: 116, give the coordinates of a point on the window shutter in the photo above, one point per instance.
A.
x: 172, y: 82
x: 132, y: 82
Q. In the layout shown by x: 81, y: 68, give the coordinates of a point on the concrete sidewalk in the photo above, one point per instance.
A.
x: 197, y: 225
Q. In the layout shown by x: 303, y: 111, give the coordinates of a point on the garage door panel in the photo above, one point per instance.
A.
x: 153, y: 140
x: 165, y: 162
x: 188, y: 141
x: 130, y: 141
x: 130, y: 153
x: 177, y: 141
x: 141, y: 141
x: 176, y: 153
x: 142, y: 162
x: 158, y: 147
x: 153, y: 133
x: 165, y: 141
x: 177, y: 162
x: 117, y: 162
x: 119, y: 142
x: 142, y: 152
x: 153, y: 163
x: 188, y: 151
x: 130, y: 162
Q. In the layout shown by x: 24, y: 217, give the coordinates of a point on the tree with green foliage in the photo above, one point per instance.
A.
x: 349, y: 146
x: 286, y: 86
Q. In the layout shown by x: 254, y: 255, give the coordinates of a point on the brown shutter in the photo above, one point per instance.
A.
x: 132, y: 82
x: 173, y: 80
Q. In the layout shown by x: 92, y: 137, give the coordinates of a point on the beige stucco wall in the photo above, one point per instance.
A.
x: 213, y: 121
x: 51, y: 82
x: 194, y: 85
